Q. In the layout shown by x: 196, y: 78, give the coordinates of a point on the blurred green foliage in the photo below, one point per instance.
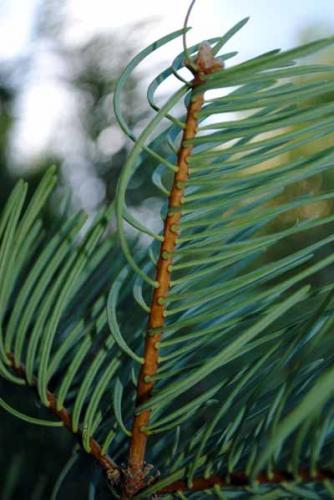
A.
x: 29, y: 455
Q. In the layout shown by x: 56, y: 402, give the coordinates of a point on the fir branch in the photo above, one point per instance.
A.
x: 205, y: 64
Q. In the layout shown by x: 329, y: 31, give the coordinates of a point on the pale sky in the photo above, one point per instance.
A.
x: 272, y: 25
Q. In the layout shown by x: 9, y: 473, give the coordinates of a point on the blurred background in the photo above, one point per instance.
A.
x: 59, y: 61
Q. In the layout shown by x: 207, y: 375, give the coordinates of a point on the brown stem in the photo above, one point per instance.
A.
x: 106, y: 463
x: 241, y: 479
x: 136, y: 474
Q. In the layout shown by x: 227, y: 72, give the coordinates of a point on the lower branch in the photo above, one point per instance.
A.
x: 240, y: 479
x: 112, y: 471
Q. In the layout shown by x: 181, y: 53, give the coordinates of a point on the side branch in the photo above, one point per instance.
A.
x: 240, y: 479
x: 136, y: 473
x: 106, y: 463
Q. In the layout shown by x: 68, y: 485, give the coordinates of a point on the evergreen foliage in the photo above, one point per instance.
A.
x: 232, y: 395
